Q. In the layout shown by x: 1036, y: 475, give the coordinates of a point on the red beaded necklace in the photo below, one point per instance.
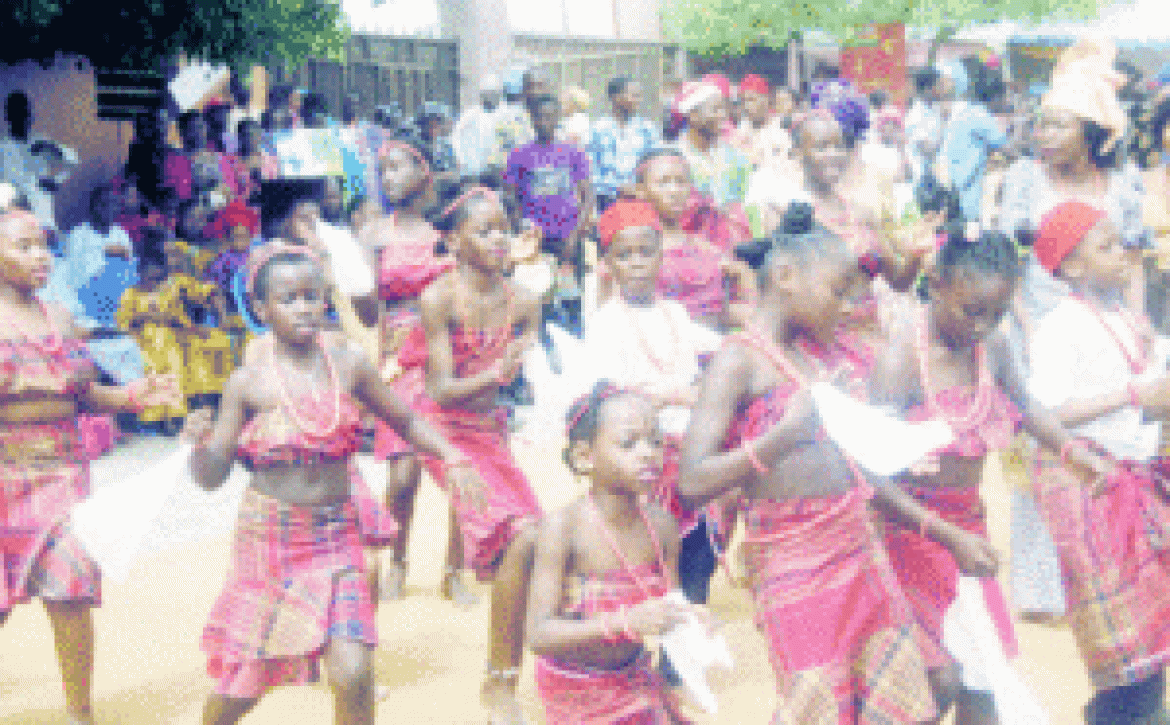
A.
x: 493, y: 345
x: 979, y: 406
x: 288, y: 403
x: 617, y: 551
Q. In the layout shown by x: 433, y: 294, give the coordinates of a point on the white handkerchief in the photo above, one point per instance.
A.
x: 879, y: 442
x: 971, y: 638
x: 112, y: 523
x: 692, y: 652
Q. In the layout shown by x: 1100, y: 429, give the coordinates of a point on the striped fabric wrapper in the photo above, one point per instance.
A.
x: 928, y: 573
x: 509, y: 503
x: 42, y: 476
x: 633, y: 695
x: 297, y: 580
x: 841, y: 637
x: 1115, y: 561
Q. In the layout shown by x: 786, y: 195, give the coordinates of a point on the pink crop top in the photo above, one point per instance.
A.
x: 273, y: 439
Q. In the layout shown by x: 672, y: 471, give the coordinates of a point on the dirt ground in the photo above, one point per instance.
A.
x: 150, y: 670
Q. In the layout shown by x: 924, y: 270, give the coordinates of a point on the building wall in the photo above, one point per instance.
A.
x: 64, y: 107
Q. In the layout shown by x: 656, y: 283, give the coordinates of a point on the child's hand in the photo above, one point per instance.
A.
x: 655, y: 617
x: 155, y: 389
x: 197, y: 427
x: 510, y: 362
x: 974, y: 554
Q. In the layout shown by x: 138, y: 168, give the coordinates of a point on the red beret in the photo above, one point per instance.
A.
x: 1062, y: 229
x: 755, y: 83
x: 625, y: 214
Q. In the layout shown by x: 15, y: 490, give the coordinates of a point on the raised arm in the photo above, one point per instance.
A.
x: 707, y: 472
x: 216, y: 441
x: 373, y: 392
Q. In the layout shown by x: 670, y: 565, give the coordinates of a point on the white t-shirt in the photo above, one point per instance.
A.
x: 1074, y: 357
x: 655, y: 347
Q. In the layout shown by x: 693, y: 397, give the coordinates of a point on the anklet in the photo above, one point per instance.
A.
x: 508, y: 674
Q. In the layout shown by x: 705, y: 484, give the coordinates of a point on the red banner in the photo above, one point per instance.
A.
x: 876, y: 61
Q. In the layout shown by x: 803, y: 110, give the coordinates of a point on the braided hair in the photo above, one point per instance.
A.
x: 992, y: 253
x: 799, y: 236
x: 584, y: 416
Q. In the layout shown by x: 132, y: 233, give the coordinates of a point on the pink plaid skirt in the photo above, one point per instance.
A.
x: 509, y: 503
x: 633, y: 695
x: 1114, y: 553
x: 298, y: 580
x: 43, y: 474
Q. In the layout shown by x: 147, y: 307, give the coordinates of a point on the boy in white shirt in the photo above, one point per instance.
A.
x: 1104, y: 372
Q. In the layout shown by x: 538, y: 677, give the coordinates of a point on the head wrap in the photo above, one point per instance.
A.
x: 848, y: 107
x: 958, y: 74
x: 235, y: 214
x: 1062, y: 230
x: 754, y: 83
x: 625, y: 214
x: 1085, y: 83
x: 695, y: 94
x: 262, y: 256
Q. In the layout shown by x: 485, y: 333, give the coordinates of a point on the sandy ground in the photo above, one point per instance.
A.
x: 150, y: 670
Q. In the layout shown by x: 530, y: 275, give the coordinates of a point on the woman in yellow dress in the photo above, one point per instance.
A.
x: 153, y: 312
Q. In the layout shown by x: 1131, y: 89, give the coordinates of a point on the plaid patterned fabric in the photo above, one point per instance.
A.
x: 42, y: 475
x: 1116, y: 568
x: 841, y: 636
x: 928, y: 573
x: 633, y: 695
x: 297, y: 581
x: 509, y: 503
x: 401, y: 333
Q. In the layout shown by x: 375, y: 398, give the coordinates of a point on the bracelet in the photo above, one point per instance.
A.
x: 749, y: 447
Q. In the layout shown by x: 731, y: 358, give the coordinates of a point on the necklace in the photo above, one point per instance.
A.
x: 780, y: 360
x: 493, y: 344
x: 676, y: 352
x: 1137, y: 360
x: 290, y: 406
x: 978, y: 407
x: 613, y: 545
x: 53, y: 342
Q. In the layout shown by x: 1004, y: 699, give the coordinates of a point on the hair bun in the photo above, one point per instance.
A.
x: 754, y: 252
x: 798, y: 218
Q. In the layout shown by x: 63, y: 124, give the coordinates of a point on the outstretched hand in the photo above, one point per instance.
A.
x: 197, y: 427
x: 155, y: 389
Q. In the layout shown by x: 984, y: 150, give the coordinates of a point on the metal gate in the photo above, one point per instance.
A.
x: 589, y: 63
x: 383, y: 69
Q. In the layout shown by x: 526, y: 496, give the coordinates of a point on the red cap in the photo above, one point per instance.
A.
x: 235, y: 214
x: 625, y: 214
x: 1062, y: 230
x: 755, y: 83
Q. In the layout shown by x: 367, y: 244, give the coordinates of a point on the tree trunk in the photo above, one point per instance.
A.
x: 944, y: 34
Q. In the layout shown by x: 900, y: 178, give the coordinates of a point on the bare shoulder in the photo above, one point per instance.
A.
x: 437, y: 294
x: 558, y: 526
x: 665, y: 525
x: 63, y: 320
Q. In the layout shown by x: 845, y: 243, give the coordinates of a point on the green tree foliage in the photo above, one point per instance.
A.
x: 730, y: 27
x: 141, y: 34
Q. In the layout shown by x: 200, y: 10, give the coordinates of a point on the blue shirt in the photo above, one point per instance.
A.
x: 971, y: 134
x: 614, y: 151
